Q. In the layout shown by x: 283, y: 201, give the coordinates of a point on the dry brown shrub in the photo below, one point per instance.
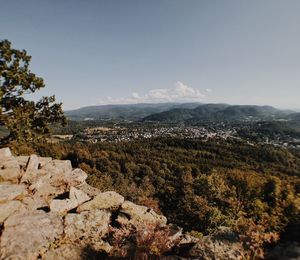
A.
x: 255, y: 237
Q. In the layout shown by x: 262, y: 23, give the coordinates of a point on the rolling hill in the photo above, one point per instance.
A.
x: 132, y: 112
x: 181, y: 113
x: 218, y: 112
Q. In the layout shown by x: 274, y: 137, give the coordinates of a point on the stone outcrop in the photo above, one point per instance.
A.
x: 139, y: 215
x: 106, y: 200
x: 48, y: 211
x: 76, y: 198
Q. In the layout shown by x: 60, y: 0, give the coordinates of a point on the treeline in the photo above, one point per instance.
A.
x: 198, y: 185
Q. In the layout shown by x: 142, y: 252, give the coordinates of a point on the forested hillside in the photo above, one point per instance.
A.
x: 197, y: 185
x: 218, y: 113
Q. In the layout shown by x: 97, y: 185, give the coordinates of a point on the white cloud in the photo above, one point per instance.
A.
x: 183, y: 91
x: 208, y: 90
x: 179, y: 93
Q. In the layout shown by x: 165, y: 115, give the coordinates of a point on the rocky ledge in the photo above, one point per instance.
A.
x: 48, y: 211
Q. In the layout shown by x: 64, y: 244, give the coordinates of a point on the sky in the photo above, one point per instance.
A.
x: 93, y: 52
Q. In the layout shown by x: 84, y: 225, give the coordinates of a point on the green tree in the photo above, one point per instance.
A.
x: 25, y: 119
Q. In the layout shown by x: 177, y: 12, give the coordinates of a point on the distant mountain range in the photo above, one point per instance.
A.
x: 131, y: 112
x: 219, y: 112
x: 181, y: 113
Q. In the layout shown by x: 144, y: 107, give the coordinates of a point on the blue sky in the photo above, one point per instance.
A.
x: 126, y: 51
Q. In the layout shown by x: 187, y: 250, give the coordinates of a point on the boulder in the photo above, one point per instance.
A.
x: 11, y: 191
x: 44, y: 187
x: 33, y: 163
x: 223, y: 244
x: 87, y: 228
x: 43, y: 161
x: 76, y: 198
x: 106, y: 200
x: 4, y: 153
x: 138, y: 215
x: 10, y: 174
x: 88, y: 189
x: 9, y: 169
x: 25, y: 236
x: 22, y: 160
x: 9, y: 162
x: 35, y: 202
x: 8, y: 208
x: 75, y: 177
x: 31, y: 177
x: 47, y: 182
x: 61, y: 165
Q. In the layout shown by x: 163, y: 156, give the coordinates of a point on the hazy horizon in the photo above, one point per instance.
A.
x: 138, y: 51
x: 200, y: 103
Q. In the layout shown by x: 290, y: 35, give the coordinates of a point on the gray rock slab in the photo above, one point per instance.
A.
x: 75, y: 177
x: 88, y: 189
x: 141, y: 215
x: 43, y: 161
x: 62, y: 165
x: 87, y: 228
x: 22, y: 160
x: 8, y: 208
x: 4, y: 153
x: 76, y: 198
x: 34, y: 202
x: 106, y: 200
x: 11, y: 191
x: 25, y: 236
x: 10, y: 174
x: 33, y: 163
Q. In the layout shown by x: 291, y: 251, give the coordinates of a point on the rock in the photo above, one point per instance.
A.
x: 88, y: 189
x: 8, y: 208
x: 9, y: 162
x: 87, y: 228
x: 75, y: 177
x: 10, y: 174
x: 66, y: 252
x: 188, y: 239
x: 22, y: 160
x: 50, y: 179
x: 25, y: 236
x: 220, y: 245
x: 76, y: 198
x: 61, y: 165
x: 31, y: 177
x: 33, y: 163
x: 35, y: 202
x: 10, y: 169
x: 45, y: 189
x: 106, y: 200
x: 11, y: 191
x: 175, y: 233
x: 4, y: 153
x: 43, y: 161
x: 78, y: 195
x: 142, y: 215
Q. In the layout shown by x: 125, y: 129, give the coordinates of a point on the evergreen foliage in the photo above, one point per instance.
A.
x: 23, y: 118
